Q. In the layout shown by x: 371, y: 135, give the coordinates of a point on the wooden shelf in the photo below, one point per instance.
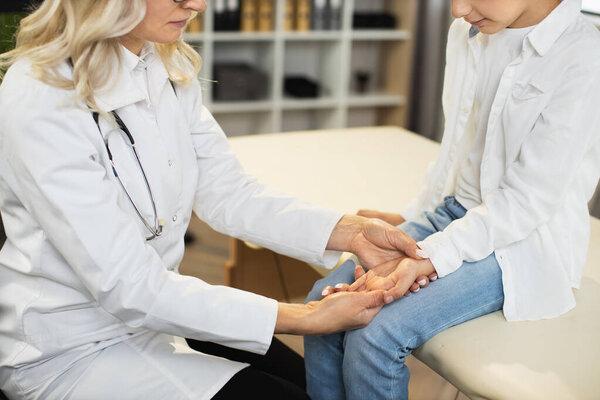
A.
x: 376, y: 100
x: 372, y: 35
x: 308, y: 104
x: 223, y: 107
x: 335, y: 59
x: 313, y: 36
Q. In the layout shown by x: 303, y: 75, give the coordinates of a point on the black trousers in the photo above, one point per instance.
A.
x: 279, y: 374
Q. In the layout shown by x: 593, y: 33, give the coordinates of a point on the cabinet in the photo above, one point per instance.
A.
x: 364, y: 74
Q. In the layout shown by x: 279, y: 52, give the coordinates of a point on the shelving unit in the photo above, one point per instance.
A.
x: 330, y: 57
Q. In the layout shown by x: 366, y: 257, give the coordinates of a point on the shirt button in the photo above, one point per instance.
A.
x: 439, y: 188
x: 174, y: 218
x: 171, y: 162
x: 466, y: 110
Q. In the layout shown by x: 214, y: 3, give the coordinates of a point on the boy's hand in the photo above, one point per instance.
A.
x: 382, y: 270
x: 396, y: 283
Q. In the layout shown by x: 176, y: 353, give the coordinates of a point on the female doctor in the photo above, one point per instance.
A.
x: 105, y: 150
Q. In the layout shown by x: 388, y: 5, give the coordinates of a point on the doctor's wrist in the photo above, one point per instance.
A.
x: 292, y: 319
x: 344, y: 232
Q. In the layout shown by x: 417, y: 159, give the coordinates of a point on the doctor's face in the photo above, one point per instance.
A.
x: 491, y: 16
x: 163, y: 23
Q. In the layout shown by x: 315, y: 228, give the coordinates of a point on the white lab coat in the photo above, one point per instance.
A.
x: 539, y: 168
x: 76, y: 272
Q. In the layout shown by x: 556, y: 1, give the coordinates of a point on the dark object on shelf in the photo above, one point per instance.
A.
x: 300, y: 86
x: 380, y: 20
x: 227, y: 16
x: 239, y: 82
x: 362, y: 81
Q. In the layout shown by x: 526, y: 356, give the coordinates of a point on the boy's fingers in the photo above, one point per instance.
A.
x: 415, y: 287
x: 422, y: 281
x: 358, y: 284
x: 358, y: 272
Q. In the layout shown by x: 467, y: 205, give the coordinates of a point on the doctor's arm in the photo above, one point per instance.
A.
x: 51, y: 161
x: 233, y: 202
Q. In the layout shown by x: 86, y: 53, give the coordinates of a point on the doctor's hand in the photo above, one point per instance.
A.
x: 336, y: 313
x: 390, y: 218
x: 372, y: 240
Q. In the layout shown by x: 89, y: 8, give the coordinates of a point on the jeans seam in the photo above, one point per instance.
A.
x: 448, y: 324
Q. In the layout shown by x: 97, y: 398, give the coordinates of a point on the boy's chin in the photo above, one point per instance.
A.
x: 491, y: 28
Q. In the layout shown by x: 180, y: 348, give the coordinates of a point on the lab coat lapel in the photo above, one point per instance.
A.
x: 121, y: 92
x: 157, y: 76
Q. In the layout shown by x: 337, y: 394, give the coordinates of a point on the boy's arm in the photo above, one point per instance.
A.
x: 536, y: 183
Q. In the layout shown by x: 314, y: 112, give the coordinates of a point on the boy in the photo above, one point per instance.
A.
x: 520, y: 159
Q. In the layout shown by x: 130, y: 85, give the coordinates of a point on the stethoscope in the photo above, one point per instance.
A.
x: 155, y: 230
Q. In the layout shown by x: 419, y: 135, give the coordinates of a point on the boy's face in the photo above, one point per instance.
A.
x: 491, y: 16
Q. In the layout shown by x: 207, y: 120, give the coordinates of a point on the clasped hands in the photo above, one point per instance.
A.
x: 395, y: 263
x: 395, y: 267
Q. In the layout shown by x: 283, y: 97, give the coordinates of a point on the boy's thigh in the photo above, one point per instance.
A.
x: 473, y: 290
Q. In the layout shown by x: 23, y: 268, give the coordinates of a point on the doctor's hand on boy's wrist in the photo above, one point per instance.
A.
x: 390, y: 218
x: 372, y: 240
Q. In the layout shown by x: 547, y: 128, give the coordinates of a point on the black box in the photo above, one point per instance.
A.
x: 239, y: 82
x: 380, y: 20
x: 300, y: 86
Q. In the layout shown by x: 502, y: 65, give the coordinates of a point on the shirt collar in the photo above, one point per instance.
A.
x: 543, y: 37
x: 545, y: 34
x: 123, y: 91
x: 132, y: 61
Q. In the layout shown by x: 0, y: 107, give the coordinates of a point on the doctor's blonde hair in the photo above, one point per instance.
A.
x: 88, y: 32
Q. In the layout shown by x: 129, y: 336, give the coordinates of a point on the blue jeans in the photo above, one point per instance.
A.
x: 368, y: 363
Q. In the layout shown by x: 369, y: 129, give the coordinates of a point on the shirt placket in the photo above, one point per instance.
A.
x: 493, y: 128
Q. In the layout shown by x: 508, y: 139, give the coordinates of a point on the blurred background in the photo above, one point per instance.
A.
x: 289, y: 65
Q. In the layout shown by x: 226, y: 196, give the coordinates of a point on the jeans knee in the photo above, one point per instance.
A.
x: 315, y: 292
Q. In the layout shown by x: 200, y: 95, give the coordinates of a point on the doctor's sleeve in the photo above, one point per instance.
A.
x: 51, y: 156
x: 233, y: 202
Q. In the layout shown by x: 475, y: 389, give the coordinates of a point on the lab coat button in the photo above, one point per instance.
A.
x: 175, y: 218
x: 171, y: 162
x: 465, y: 110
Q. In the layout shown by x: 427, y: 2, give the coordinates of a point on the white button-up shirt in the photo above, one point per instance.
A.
x: 76, y: 273
x: 539, y: 168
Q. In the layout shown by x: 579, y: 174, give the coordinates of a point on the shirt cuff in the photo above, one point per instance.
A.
x: 442, y: 253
